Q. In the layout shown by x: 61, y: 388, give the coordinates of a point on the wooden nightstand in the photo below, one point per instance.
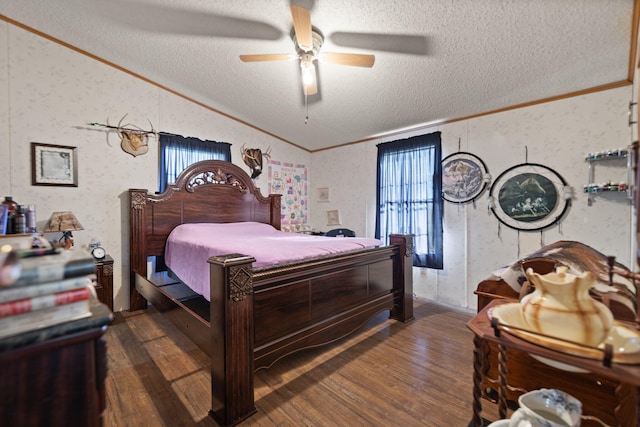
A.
x: 104, y: 279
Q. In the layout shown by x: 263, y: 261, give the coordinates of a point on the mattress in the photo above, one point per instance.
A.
x: 190, y: 245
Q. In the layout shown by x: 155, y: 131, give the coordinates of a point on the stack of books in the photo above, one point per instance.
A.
x: 48, y: 288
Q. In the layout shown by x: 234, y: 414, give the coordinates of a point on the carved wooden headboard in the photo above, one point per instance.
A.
x: 207, y: 191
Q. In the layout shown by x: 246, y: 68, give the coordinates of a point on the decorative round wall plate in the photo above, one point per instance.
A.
x: 463, y: 177
x: 529, y: 197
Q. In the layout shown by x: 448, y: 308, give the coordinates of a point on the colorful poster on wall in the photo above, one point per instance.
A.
x: 290, y: 180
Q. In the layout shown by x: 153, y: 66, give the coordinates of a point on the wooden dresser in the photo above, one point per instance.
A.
x: 56, y: 376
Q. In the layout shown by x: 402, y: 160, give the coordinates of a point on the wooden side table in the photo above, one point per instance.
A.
x: 484, y: 332
x: 104, y: 281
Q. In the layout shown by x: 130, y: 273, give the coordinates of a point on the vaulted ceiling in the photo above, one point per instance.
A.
x: 435, y: 60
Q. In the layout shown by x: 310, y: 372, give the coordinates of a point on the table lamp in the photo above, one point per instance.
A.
x: 66, y: 222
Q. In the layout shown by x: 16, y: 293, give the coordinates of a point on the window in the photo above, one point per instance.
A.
x: 409, y: 195
x: 178, y: 152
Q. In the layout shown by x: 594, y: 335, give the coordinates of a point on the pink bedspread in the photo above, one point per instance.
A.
x: 190, y: 245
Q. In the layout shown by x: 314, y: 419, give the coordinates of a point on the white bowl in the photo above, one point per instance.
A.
x: 547, y: 408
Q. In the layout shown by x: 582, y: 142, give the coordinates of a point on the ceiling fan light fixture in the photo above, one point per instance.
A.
x: 307, y: 41
x: 308, y: 70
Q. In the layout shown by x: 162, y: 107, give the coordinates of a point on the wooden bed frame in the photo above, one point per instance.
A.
x: 257, y: 316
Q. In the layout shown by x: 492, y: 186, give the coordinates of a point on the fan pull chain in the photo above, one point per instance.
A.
x: 306, y: 108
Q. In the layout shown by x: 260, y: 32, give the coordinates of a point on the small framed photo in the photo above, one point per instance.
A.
x: 333, y: 217
x: 323, y: 194
x: 53, y: 165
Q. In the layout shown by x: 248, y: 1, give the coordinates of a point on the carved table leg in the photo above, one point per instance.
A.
x: 477, y: 381
x: 502, y: 390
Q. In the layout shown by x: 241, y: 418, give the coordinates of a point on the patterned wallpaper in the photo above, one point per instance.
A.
x: 557, y: 134
x: 49, y: 94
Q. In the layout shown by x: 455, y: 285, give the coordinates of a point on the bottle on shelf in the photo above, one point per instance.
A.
x: 19, y: 221
x: 30, y: 215
x: 8, y: 200
x: 606, y: 154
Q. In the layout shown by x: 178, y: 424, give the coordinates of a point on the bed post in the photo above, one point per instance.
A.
x: 403, y: 277
x: 276, y: 211
x: 232, y: 357
x: 137, y: 240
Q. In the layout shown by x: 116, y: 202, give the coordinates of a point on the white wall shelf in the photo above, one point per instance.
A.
x: 616, y: 157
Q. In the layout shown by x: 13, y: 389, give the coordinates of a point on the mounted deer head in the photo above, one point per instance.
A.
x: 252, y: 157
x: 134, y: 141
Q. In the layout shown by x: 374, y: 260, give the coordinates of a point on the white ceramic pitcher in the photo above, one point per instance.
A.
x: 561, y: 307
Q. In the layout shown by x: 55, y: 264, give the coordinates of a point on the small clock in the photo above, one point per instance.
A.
x: 98, y: 253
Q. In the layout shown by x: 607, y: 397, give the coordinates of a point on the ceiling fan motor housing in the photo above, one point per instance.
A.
x: 317, y: 39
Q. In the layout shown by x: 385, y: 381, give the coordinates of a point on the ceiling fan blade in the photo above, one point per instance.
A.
x: 352, y: 59
x: 398, y: 43
x: 268, y: 57
x: 176, y: 20
x: 302, y: 26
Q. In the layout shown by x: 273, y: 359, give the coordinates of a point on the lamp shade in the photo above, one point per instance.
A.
x: 62, y: 221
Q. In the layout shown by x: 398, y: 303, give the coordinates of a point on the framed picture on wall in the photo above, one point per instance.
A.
x: 464, y: 177
x: 53, y: 165
x: 323, y: 194
x: 529, y: 197
x: 333, y: 217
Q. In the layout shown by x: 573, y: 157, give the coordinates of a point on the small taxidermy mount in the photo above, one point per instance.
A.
x: 252, y: 157
x: 132, y: 141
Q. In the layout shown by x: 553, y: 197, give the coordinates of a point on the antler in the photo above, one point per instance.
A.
x: 120, y: 122
x: 153, y: 131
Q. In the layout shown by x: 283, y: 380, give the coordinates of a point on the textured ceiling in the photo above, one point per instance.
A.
x: 436, y: 60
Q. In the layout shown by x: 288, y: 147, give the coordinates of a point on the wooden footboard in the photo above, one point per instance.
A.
x: 258, y: 319
x: 255, y: 319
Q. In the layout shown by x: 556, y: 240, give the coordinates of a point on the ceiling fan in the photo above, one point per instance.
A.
x: 308, y: 41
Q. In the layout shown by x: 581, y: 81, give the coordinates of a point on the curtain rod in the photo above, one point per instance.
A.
x: 133, y: 130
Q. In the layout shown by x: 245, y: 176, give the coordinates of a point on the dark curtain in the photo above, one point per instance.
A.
x: 409, y: 195
x: 177, y: 152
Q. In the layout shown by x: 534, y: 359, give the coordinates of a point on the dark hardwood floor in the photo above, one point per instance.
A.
x: 387, y: 374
